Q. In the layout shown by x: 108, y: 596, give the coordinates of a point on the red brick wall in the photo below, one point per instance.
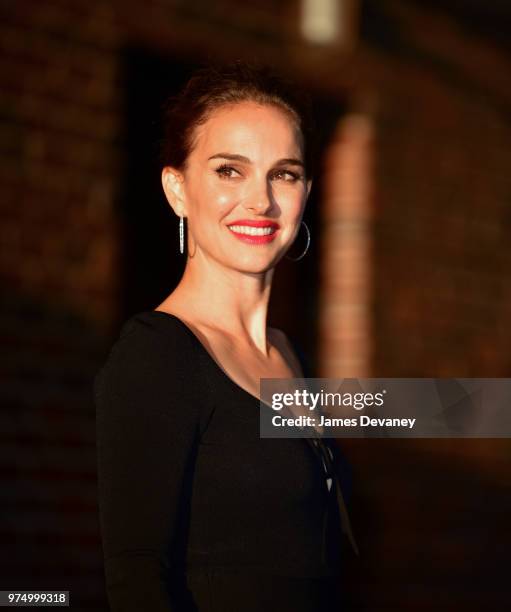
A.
x: 59, y: 160
x: 346, y: 334
x: 441, y: 254
x: 429, y: 512
x: 59, y: 135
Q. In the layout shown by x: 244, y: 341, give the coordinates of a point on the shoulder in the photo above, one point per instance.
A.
x: 154, y: 331
x: 152, y: 350
x: 147, y: 393
x: 157, y: 327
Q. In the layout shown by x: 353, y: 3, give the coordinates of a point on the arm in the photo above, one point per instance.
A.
x: 146, y: 426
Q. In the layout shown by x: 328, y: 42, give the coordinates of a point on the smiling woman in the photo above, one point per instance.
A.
x: 198, y: 512
x: 238, y: 183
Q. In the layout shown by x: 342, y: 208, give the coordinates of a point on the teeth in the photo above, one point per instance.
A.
x: 252, y: 231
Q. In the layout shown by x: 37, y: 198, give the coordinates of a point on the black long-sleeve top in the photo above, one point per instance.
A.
x: 197, y: 512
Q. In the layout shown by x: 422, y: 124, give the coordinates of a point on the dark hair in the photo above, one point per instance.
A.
x: 213, y: 87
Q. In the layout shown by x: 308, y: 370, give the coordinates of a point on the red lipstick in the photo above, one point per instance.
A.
x: 256, y: 223
x: 263, y: 237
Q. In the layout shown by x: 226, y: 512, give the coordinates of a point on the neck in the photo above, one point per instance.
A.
x: 225, y: 299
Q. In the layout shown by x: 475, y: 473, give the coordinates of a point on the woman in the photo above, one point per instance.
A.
x: 197, y: 511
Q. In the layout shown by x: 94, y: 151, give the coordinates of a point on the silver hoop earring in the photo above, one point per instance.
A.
x: 181, y: 234
x: 306, y: 246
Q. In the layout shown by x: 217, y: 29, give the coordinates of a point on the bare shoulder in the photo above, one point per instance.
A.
x: 280, y: 340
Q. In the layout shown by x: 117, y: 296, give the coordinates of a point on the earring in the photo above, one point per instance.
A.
x: 306, y: 246
x: 181, y: 234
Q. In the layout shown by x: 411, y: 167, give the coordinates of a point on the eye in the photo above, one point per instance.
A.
x: 287, y: 175
x: 226, y: 171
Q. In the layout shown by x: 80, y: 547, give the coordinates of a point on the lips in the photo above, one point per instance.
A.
x: 255, y: 223
x: 254, y: 231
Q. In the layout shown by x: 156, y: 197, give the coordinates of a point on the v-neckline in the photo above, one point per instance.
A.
x: 310, y: 442
x: 210, y: 358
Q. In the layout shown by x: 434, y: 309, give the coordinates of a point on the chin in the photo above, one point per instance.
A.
x: 253, y: 265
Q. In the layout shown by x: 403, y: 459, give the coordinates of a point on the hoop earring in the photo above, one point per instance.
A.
x: 181, y: 234
x: 306, y: 246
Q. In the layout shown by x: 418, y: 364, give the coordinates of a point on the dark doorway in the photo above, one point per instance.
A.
x: 152, y: 264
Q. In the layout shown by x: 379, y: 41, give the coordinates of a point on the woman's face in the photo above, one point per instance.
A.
x: 244, y: 188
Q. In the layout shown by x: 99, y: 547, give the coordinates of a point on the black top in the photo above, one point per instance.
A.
x: 198, y: 512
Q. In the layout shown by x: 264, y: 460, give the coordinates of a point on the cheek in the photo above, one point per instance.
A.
x: 212, y: 200
x: 291, y: 201
x: 224, y: 199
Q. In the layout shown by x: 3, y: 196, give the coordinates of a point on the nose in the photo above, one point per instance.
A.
x: 259, y: 200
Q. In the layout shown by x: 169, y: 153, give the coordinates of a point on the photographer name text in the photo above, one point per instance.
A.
x: 324, y: 421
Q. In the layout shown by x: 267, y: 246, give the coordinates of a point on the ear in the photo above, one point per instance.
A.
x: 172, y: 183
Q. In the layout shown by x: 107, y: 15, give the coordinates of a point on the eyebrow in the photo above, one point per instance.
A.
x: 291, y: 161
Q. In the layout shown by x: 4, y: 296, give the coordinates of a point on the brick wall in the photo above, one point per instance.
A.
x: 59, y: 153
x: 59, y: 131
x: 441, y: 253
x: 347, y: 237
x: 428, y: 512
